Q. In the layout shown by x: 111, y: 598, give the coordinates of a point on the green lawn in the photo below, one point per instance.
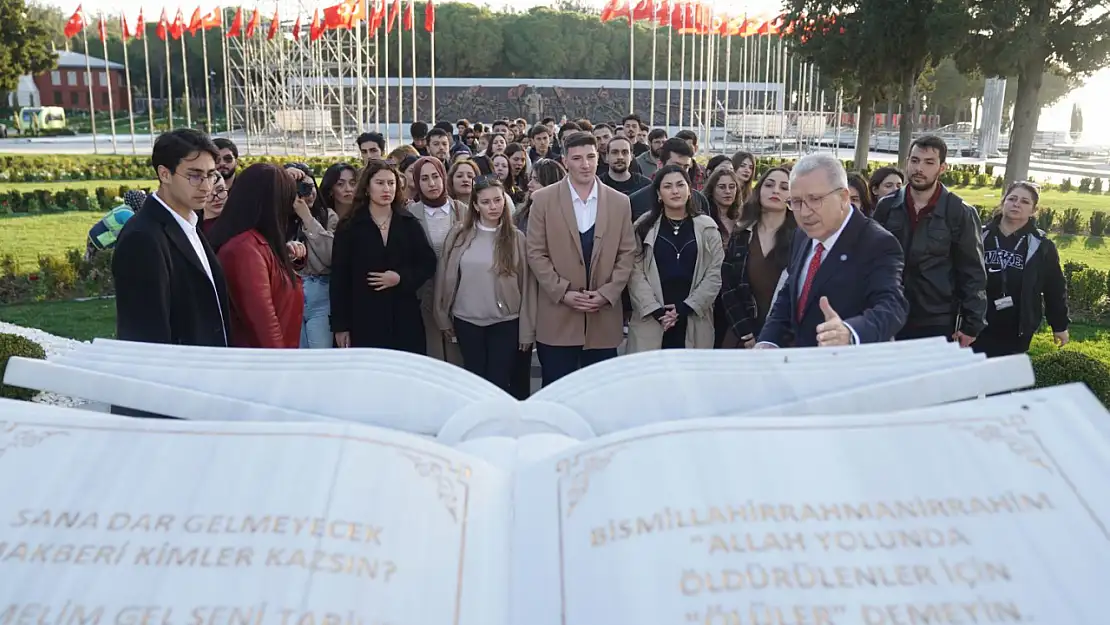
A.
x: 1056, y: 200
x: 83, y: 321
x: 88, y: 185
x: 28, y: 236
x: 1092, y: 251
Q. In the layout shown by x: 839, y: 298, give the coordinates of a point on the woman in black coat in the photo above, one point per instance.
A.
x: 380, y: 258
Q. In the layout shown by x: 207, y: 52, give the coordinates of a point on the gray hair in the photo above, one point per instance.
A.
x: 827, y: 163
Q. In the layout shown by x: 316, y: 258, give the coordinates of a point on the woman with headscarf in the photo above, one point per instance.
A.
x: 438, y: 214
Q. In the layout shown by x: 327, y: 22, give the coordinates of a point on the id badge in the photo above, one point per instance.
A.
x: 1003, y: 303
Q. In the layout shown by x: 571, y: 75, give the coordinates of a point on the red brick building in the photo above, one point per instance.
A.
x: 68, y: 85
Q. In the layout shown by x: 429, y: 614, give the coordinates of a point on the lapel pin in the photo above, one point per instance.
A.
x: 843, y: 257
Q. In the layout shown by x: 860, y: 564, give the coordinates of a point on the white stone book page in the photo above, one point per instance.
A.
x: 108, y: 520
x: 994, y: 511
x: 422, y: 395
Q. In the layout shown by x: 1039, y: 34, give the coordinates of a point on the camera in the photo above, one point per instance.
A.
x: 305, y: 188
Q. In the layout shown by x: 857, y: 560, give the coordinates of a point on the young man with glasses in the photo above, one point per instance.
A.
x: 844, y: 280
x: 169, y: 285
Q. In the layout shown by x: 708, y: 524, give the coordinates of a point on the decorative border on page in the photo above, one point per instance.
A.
x: 458, y: 501
x: 448, y: 477
x: 578, y: 471
x: 1011, y: 432
x: 15, y: 436
x: 1030, y: 448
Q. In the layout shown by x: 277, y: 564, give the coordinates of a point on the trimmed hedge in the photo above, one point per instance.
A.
x: 101, y: 199
x: 1066, y: 366
x: 51, y: 168
x: 15, y: 345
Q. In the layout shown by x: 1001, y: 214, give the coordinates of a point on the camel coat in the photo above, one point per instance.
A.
x: 438, y: 346
x: 644, y: 332
x: 555, y: 256
x: 516, y: 294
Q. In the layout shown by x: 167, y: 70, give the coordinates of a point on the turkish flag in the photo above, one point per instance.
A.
x: 316, y: 30
x: 251, y: 25
x: 236, y: 24
x: 140, y: 26
x: 274, y: 24
x: 212, y: 19
x: 163, y: 26
x: 195, y: 22
x: 394, y: 16
x: 177, y: 28
x: 430, y: 16
x: 409, y: 16
x: 75, y: 24
x: 297, y: 29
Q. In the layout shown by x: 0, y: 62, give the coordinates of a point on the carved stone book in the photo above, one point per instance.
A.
x: 987, y: 511
x: 422, y: 396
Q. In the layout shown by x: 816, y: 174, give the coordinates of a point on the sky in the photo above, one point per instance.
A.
x: 1092, y: 97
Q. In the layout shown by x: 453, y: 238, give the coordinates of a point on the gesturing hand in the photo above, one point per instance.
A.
x: 832, y: 331
x: 381, y: 281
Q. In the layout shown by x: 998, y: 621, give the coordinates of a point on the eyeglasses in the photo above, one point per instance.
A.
x: 196, y: 179
x: 812, y: 202
x: 219, y: 194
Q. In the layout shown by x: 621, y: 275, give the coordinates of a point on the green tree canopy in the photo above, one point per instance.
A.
x: 1025, y: 39
x: 24, y: 44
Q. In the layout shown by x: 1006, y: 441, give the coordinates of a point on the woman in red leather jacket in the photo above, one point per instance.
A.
x: 267, y: 302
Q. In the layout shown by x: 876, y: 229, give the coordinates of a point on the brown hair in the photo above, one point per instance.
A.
x: 262, y: 200
x: 362, y: 197
x: 547, y: 171
x: 504, y: 245
x: 752, y: 210
x: 733, y: 211
x: 455, y: 168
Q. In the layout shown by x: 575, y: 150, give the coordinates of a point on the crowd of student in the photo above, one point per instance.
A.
x: 475, y: 247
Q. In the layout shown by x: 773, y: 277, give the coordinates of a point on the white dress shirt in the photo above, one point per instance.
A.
x: 828, y: 245
x: 189, y: 227
x: 585, y: 211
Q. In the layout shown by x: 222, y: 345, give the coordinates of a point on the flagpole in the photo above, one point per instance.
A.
x: 130, y: 101
x: 207, y: 89
x: 360, y: 102
x: 248, y: 114
x: 303, y: 104
x: 377, y: 84
x: 108, y: 80
x: 400, y: 76
x: 387, y: 24
x: 654, y: 51
x: 693, y: 77
x: 227, y: 74
x: 670, y: 48
x: 412, y: 14
x: 185, y: 81
x: 631, y: 63
x: 89, y: 81
x: 283, y: 91
x: 432, y: 59
x: 169, y: 74
x: 681, y: 73
x: 728, y: 76
x: 264, y: 92
x: 149, y: 89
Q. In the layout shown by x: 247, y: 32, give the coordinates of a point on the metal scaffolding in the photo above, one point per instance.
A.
x: 290, y: 95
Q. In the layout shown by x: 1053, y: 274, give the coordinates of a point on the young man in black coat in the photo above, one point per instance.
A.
x: 169, y: 285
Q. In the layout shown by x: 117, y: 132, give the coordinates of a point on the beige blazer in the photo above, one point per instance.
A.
x: 516, y: 294
x: 644, y: 332
x: 555, y: 256
x: 438, y: 346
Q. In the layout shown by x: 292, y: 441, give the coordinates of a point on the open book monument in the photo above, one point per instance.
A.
x: 608, y: 498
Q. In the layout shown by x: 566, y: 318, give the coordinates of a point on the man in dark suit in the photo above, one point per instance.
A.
x: 169, y: 285
x: 844, y: 283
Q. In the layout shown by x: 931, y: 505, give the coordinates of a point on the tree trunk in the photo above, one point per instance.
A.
x: 863, y: 131
x: 1027, y: 112
x: 905, y: 123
